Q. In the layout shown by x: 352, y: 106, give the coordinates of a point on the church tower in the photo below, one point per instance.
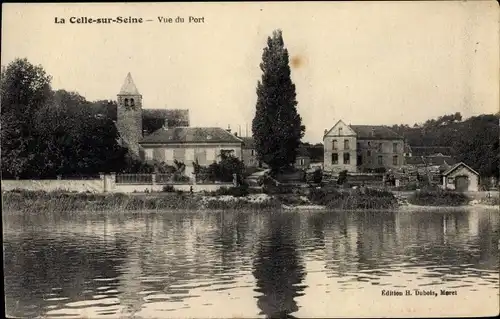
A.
x: 129, y: 115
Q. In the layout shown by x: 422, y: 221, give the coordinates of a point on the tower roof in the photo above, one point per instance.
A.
x: 128, y: 87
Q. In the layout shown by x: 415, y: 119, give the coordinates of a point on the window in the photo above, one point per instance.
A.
x: 334, y: 144
x: 149, y: 154
x: 380, y: 147
x: 132, y: 102
x: 340, y: 131
x: 346, y: 144
x: 252, y: 152
x: 335, y: 158
x: 380, y: 160
x: 126, y: 102
x: 368, y: 153
x: 395, y: 160
x: 347, y: 158
x: 200, y: 155
x: 358, y: 146
x: 394, y: 147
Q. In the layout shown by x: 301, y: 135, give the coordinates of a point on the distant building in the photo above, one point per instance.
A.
x: 303, y: 159
x: 133, y: 122
x: 461, y: 177
x: 249, y: 155
x: 362, y: 148
x: 430, y: 159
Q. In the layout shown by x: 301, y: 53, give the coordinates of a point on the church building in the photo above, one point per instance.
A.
x: 166, y: 136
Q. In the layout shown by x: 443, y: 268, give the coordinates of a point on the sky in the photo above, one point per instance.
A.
x: 379, y: 63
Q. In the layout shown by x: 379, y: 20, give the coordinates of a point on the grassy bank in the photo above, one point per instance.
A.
x: 438, y: 198
x: 353, y: 199
x: 39, y: 201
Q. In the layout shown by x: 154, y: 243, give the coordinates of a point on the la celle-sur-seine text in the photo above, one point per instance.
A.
x: 126, y: 20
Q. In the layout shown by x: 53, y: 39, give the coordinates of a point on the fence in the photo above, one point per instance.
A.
x: 134, y: 178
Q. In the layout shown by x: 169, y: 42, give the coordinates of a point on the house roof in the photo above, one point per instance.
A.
x: 248, y: 143
x: 302, y: 152
x: 372, y: 132
x: 454, y: 167
x: 431, y: 150
x: 190, y: 135
x: 440, y: 160
x: 175, y: 117
x: 128, y: 87
x: 430, y: 160
x: 415, y: 160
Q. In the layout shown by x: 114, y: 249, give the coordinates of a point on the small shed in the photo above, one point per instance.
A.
x: 462, y: 178
x: 303, y: 160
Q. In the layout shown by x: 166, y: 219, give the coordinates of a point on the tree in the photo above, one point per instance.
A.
x: 474, y: 141
x: 277, y: 127
x: 25, y: 89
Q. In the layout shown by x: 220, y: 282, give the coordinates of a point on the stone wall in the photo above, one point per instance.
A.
x: 81, y: 186
x: 105, y: 184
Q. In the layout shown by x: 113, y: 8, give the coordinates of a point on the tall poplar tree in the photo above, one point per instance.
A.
x: 277, y: 127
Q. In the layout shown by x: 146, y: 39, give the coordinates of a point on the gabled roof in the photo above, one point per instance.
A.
x: 327, y: 132
x: 454, y: 167
x: 248, y: 143
x: 375, y: 132
x: 128, y: 87
x: 190, y: 135
x: 431, y: 150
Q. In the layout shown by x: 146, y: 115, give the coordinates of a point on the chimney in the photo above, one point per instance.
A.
x: 228, y: 128
x: 373, y: 132
x: 326, y: 131
x: 236, y: 134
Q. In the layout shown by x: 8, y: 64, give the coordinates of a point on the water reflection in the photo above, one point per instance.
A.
x: 58, y: 269
x: 278, y: 268
x: 235, y: 264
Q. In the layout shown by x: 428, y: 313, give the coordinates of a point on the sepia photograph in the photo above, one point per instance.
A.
x: 250, y: 159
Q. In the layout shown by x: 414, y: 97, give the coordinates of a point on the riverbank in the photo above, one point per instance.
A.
x: 315, y: 199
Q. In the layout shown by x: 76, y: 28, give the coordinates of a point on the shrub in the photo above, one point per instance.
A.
x: 279, y: 189
x: 342, y: 177
x: 240, y: 204
x: 237, y: 191
x: 168, y: 189
x: 438, y: 198
x: 366, y: 199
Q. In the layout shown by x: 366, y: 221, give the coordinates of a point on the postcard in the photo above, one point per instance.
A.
x: 250, y: 159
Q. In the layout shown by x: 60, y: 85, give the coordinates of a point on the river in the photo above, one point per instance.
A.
x: 250, y: 264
